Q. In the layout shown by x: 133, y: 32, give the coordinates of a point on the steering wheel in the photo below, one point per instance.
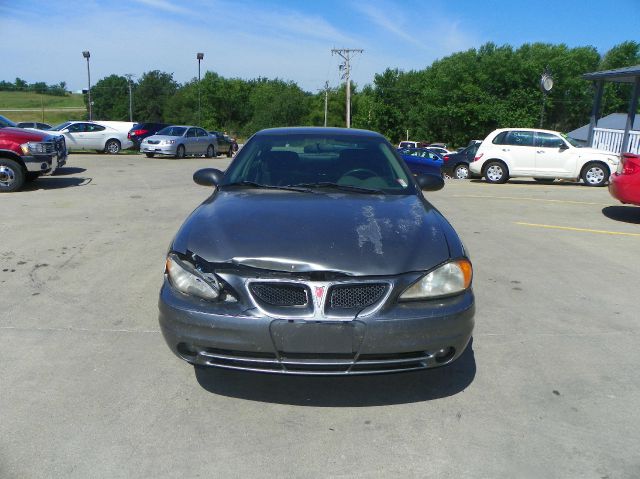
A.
x: 361, y: 173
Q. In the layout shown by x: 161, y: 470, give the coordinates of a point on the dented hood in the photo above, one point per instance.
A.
x: 291, y: 231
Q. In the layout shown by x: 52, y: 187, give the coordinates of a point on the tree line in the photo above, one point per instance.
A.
x: 460, y: 97
x: 59, y: 89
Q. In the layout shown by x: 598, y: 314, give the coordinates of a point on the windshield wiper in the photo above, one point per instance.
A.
x: 253, y: 184
x: 337, y: 186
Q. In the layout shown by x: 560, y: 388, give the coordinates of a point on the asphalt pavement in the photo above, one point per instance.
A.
x: 548, y: 388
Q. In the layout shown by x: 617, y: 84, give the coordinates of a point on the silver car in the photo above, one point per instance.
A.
x: 179, y: 141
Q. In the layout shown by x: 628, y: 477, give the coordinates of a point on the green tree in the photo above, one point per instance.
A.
x: 110, y: 97
x: 152, y: 93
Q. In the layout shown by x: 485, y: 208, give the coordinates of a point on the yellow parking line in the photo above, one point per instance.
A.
x: 583, y: 230
x: 531, y: 199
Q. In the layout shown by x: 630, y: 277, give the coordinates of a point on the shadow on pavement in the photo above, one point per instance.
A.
x: 53, y: 183
x: 68, y: 170
x: 343, y: 391
x: 532, y: 182
x: 625, y: 214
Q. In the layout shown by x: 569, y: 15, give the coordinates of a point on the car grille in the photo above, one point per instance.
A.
x: 153, y: 142
x: 276, y: 294
x: 355, y: 296
x: 322, y: 364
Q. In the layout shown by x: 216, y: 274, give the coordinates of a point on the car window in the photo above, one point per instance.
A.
x: 201, y: 132
x: 518, y: 138
x: 303, y: 159
x: 547, y: 140
x: 77, y: 128
x: 499, y: 138
x: 191, y: 133
x: 93, y: 128
x: 172, y: 131
x: 43, y: 126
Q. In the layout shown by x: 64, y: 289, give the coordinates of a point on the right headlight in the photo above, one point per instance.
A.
x: 450, y: 278
x: 186, y: 279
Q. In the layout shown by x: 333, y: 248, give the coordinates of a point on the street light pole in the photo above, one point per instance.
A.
x: 129, y: 75
x: 199, y: 56
x: 86, y: 54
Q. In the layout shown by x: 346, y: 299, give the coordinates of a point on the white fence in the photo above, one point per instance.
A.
x: 611, y: 140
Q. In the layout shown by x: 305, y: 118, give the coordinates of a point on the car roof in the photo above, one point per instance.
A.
x: 319, y: 131
x: 500, y: 130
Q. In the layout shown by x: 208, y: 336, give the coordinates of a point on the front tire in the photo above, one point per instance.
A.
x: 112, y: 147
x: 180, y: 152
x: 496, y: 172
x: 461, y: 171
x: 12, y: 176
x: 211, y: 151
x: 150, y: 155
x: 230, y: 152
x: 595, y: 174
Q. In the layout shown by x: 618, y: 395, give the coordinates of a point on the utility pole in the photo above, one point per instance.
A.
x: 346, y: 54
x: 129, y: 75
x: 199, y: 57
x: 326, y: 101
x: 87, y: 55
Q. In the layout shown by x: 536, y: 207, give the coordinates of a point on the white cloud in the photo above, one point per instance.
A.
x: 165, y: 5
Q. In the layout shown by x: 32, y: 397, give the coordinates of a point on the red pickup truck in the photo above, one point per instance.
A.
x: 27, y: 154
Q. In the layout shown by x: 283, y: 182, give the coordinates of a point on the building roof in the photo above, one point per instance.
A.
x: 619, y: 75
x: 614, y: 121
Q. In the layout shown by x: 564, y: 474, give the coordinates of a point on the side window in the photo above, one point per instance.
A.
x: 519, y: 138
x: 191, y: 133
x: 201, y: 132
x: 499, y: 139
x: 547, y: 140
x: 91, y: 127
x: 76, y: 128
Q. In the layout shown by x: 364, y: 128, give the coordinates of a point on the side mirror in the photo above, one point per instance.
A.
x: 564, y: 146
x: 208, y: 177
x: 430, y: 182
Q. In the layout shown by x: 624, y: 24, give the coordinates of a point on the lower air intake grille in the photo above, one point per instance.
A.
x: 279, y: 294
x: 356, y: 296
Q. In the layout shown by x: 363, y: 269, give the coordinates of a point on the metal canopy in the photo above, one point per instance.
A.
x: 619, y: 75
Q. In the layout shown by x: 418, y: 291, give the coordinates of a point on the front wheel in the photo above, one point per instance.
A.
x: 461, y: 172
x: 12, y: 176
x: 112, y: 147
x: 180, y: 152
x: 211, y: 151
x: 230, y: 152
x: 595, y: 174
x: 150, y: 155
x: 496, y: 172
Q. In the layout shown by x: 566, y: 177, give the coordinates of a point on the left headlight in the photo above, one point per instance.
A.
x: 450, y: 278
x: 186, y: 279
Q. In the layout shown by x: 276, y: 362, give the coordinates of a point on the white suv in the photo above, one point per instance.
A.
x: 545, y: 155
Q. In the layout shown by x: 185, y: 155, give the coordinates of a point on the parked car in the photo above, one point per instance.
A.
x: 140, y: 131
x: 422, y: 161
x: 542, y: 154
x: 27, y: 154
x: 33, y: 124
x: 456, y: 165
x: 624, y: 184
x: 226, y: 144
x: 317, y: 253
x: 179, y: 141
x: 88, y: 135
x: 413, y: 144
x: 439, y: 150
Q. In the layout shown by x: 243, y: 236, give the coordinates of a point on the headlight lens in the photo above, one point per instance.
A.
x: 186, y: 279
x: 450, y: 278
x: 168, y: 142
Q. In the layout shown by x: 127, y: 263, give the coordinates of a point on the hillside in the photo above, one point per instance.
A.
x: 29, y: 106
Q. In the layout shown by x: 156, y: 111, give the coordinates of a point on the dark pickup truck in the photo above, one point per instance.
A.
x: 27, y: 154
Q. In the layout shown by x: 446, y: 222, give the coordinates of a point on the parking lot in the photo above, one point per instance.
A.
x: 88, y: 388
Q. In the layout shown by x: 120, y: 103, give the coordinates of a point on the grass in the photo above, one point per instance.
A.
x: 41, y: 106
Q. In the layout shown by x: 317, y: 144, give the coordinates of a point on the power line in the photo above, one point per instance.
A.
x: 346, y: 54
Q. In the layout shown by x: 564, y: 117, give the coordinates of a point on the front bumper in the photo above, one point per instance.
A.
x: 408, y: 336
x: 44, y: 164
x: 169, y: 150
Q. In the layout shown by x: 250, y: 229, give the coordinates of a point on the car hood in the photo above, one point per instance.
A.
x: 24, y: 135
x: 300, y: 232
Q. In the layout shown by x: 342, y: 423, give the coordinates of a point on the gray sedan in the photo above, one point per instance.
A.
x: 179, y: 141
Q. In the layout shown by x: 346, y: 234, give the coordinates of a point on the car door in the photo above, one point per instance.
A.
x: 191, y: 142
x: 553, y: 157
x: 519, y: 153
x: 72, y: 136
x: 203, y: 141
x: 93, y: 137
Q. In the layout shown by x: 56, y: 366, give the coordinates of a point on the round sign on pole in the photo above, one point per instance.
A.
x: 546, y: 81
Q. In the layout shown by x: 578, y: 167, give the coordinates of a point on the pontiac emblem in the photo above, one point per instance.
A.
x: 319, y: 295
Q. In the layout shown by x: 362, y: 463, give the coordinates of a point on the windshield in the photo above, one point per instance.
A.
x: 5, y: 122
x: 572, y: 141
x: 61, y: 126
x: 322, y: 161
x: 172, y: 131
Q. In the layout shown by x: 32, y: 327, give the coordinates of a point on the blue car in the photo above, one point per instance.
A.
x: 422, y: 161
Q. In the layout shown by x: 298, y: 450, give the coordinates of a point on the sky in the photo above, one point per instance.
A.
x: 43, y: 40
